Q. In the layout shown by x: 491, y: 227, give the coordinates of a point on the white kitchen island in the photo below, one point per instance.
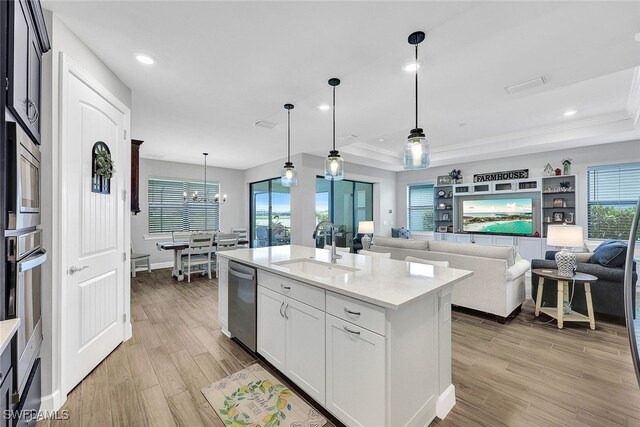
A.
x: 367, y: 338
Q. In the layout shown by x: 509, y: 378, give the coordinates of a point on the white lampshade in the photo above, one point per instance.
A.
x: 565, y: 236
x: 365, y: 227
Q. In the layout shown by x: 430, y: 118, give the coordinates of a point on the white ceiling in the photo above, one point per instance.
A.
x: 221, y: 66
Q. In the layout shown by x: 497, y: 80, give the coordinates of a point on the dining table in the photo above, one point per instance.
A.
x: 177, y: 248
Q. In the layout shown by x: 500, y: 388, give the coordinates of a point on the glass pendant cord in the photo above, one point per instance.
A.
x: 334, y: 118
x: 416, y: 86
x: 288, y: 136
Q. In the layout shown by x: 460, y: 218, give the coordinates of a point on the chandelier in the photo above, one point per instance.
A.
x: 217, y: 199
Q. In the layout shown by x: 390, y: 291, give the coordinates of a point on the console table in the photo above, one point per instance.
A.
x: 563, y: 296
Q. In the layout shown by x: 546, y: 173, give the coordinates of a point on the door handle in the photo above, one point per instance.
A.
x: 73, y: 269
x: 355, y: 313
x: 240, y: 275
x: 32, y: 261
x: 350, y: 331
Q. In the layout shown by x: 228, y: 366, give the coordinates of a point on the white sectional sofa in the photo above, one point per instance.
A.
x: 497, y: 285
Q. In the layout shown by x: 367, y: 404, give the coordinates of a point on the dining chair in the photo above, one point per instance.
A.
x: 225, y: 242
x: 181, y: 236
x: 242, y: 233
x: 427, y: 261
x: 338, y: 249
x: 139, y: 258
x: 200, y: 246
x: 385, y: 255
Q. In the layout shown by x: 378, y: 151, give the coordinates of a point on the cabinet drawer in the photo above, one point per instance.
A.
x: 302, y: 292
x: 360, y: 313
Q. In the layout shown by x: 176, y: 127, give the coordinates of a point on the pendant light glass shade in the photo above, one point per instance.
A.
x: 416, y: 151
x: 334, y: 164
x: 288, y: 176
x: 334, y: 167
x: 416, y: 147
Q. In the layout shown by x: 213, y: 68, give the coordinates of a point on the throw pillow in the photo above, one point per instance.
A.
x: 404, y: 233
x: 394, y: 232
x: 611, y: 253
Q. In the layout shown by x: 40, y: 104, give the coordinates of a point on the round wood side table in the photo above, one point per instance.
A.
x: 563, y: 296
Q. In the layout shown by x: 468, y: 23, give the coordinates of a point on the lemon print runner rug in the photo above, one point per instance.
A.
x: 254, y: 397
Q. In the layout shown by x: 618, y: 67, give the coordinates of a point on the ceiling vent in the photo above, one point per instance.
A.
x: 529, y: 84
x: 265, y: 124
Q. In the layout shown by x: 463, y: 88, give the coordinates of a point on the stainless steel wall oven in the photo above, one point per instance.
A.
x: 24, y: 180
x: 26, y: 255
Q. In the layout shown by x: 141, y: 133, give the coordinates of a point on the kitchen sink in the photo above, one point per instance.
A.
x: 314, y: 268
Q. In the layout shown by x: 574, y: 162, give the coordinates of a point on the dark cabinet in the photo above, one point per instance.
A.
x: 26, y: 46
x: 6, y: 392
x: 135, y: 175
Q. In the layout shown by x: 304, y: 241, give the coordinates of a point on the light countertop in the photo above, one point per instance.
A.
x: 8, y: 329
x: 384, y: 282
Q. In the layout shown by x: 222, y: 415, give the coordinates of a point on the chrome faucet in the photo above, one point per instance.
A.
x: 334, y: 231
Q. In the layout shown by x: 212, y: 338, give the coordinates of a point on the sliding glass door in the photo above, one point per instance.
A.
x: 270, y: 213
x: 345, y: 203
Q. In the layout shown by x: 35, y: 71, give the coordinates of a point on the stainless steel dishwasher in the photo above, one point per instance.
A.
x: 242, y: 303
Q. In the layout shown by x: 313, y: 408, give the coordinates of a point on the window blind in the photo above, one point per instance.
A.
x: 420, y: 207
x: 168, y: 212
x: 613, y: 192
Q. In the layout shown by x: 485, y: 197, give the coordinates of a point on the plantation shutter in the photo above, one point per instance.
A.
x: 168, y: 212
x: 420, y: 207
x: 613, y: 193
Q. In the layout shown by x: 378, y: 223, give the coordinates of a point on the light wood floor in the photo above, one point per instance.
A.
x: 526, y: 372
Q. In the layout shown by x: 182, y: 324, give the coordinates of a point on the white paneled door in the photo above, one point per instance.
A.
x: 93, y: 226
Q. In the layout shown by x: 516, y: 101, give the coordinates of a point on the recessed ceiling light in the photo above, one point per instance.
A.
x: 145, y: 59
x: 324, y: 107
x: 569, y: 113
x: 637, y: 37
x: 381, y: 140
x: 412, y: 66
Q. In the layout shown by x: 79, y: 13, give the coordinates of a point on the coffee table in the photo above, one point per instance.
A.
x: 563, y: 296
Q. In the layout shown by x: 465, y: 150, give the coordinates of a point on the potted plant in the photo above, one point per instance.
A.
x: 456, y: 176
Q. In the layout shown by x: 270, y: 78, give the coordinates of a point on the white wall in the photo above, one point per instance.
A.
x: 303, y: 209
x: 62, y: 40
x: 622, y: 152
x: 232, y: 213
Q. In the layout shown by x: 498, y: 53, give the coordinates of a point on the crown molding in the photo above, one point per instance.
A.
x: 633, y: 101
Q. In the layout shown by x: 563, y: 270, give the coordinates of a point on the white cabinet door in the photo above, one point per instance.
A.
x: 271, y: 325
x: 305, y: 353
x: 355, y: 374
x: 530, y: 248
x: 504, y: 241
x: 483, y: 240
x: 462, y: 238
x: 223, y: 294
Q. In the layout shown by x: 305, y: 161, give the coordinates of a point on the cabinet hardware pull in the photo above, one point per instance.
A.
x: 350, y: 331
x: 286, y: 316
x: 286, y: 288
x: 281, y: 305
x: 355, y: 313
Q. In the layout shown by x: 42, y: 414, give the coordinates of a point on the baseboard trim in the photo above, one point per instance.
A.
x: 158, y: 265
x: 51, y: 402
x: 446, y: 402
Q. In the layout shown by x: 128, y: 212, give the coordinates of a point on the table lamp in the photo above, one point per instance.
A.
x: 366, y: 228
x: 565, y: 237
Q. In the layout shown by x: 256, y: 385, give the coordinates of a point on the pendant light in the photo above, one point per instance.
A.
x: 416, y: 147
x: 288, y: 178
x: 334, y: 165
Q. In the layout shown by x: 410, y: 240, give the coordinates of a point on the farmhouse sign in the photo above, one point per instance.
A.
x: 501, y: 176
